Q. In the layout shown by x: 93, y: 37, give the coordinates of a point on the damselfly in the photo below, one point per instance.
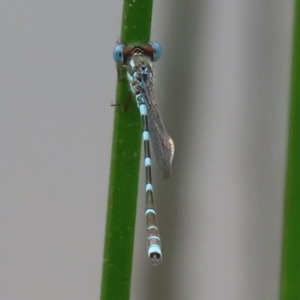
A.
x: 137, y: 60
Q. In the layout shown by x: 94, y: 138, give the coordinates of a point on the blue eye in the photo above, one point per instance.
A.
x: 118, y: 54
x: 157, y: 51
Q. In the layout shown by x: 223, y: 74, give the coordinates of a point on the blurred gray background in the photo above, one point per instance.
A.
x: 222, y: 86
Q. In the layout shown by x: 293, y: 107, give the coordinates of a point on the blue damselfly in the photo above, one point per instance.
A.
x: 137, y: 60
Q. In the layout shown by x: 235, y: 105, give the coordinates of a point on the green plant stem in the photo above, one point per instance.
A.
x: 124, y: 172
x: 290, y: 268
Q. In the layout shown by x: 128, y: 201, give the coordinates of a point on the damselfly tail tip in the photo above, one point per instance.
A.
x: 155, y: 258
x: 154, y: 253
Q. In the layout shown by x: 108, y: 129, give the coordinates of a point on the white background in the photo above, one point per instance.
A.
x: 222, y: 86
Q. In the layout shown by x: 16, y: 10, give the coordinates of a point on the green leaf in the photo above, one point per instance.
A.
x: 290, y: 272
x: 124, y: 172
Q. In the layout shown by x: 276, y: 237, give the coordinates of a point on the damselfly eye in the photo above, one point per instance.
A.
x: 118, y: 54
x: 157, y: 51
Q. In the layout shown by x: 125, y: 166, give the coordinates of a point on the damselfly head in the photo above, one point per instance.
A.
x: 122, y: 53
